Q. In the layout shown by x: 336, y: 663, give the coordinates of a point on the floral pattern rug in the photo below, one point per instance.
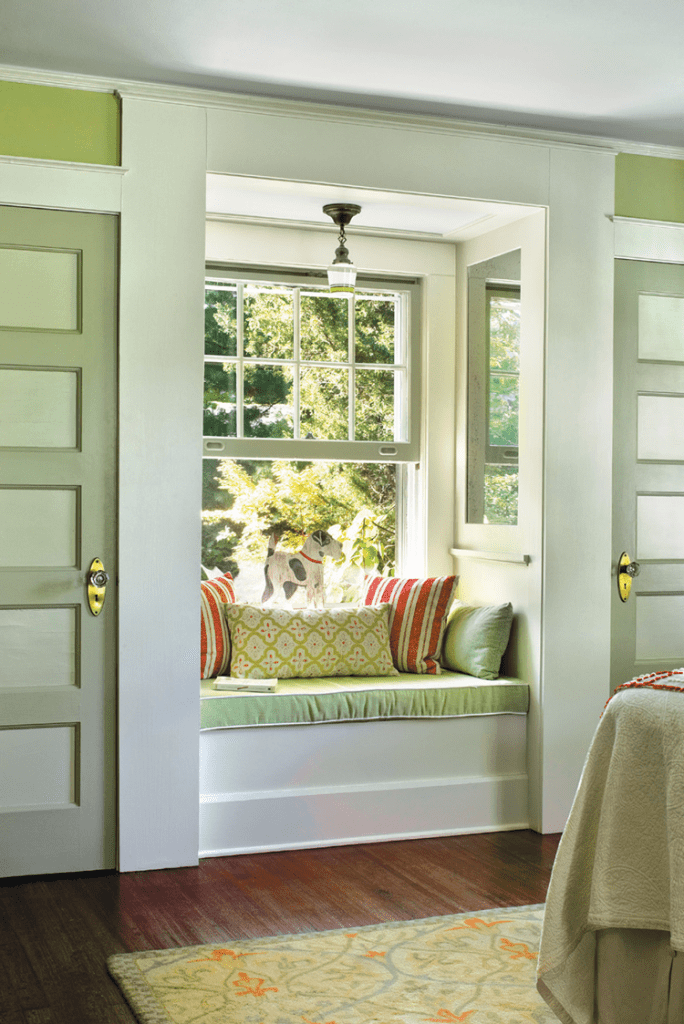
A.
x: 477, y: 967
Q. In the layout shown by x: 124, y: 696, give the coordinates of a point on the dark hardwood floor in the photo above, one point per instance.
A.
x: 56, y: 933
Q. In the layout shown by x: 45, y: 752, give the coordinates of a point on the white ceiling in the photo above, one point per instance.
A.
x: 603, y: 67
x: 434, y: 218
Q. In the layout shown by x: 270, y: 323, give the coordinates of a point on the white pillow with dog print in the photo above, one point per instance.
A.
x: 307, y: 643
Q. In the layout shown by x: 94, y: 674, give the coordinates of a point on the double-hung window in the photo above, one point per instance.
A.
x: 311, y: 412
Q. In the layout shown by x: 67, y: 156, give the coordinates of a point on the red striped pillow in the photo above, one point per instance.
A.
x: 215, y: 648
x: 417, y: 618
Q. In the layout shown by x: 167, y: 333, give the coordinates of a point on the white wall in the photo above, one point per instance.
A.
x: 496, y: 582
x: 563, y: 597
x: 301, y: 142
x: 577, y: 499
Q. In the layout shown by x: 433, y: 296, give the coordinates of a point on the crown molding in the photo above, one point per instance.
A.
x: 677, y: 224
x: 268, y: 106
x: 366, y: 117
x: 58, y: 79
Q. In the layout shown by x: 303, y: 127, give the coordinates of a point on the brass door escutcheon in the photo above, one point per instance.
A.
x: 97, y: 580
x: 627, y: 570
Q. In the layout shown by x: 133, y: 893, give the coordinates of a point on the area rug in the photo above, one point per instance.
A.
x: 477, y: 967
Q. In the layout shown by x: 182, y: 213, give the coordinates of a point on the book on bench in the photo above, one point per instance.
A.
x: 249, y: 685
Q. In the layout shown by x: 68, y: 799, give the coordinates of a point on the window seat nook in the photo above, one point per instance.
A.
x: 381, y: 758
x: 430, y: 741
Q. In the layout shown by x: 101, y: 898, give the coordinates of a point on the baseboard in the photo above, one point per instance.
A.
x: 269, y: 820
x: 356, y: 840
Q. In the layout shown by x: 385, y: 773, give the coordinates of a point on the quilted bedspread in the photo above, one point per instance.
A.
x: 620, y: 863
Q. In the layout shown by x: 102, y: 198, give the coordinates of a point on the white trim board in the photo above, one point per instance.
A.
x: 356, y: 840
x: 650, y: 240
x: 160, y: 340
x: 61, y: 185
x: 334, y: 783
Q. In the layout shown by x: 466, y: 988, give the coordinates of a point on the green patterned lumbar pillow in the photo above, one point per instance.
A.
x: 284, y: 643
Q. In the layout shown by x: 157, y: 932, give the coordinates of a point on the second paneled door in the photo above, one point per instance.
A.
x: 648, y: 487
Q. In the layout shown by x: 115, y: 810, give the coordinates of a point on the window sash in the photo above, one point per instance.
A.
x: 405, y: 367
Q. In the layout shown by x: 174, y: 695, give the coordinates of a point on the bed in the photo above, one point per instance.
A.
x: 613, y: 933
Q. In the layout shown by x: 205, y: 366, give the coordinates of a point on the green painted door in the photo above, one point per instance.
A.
x: 648, y: 465
x: 58, y: 419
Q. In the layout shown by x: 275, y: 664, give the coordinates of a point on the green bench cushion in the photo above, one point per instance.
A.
x: 351, y: 698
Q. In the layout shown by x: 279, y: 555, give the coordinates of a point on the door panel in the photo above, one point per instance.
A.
x: 58, y: 279
x: 57, y: 274
x: 648, y: 486
x: 41, y: 408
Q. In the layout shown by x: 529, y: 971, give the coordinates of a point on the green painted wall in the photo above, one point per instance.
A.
x: 649, y: 187
x: 59, y: 124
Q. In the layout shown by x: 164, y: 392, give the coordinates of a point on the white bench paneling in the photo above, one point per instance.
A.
x: 290, y: 787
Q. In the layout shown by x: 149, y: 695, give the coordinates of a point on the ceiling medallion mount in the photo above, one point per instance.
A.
x: 341, y: 272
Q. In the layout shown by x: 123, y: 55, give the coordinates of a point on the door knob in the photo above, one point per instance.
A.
x: 96, y: 580
x: 627, y: 570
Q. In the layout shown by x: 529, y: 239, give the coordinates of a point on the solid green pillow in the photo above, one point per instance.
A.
x: 287, y: 643
x: 476, y: 638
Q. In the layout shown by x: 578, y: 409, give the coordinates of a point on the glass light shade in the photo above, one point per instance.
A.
x: 341, y: 277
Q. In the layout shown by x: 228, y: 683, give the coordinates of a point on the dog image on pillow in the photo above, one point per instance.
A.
x: 287, y: 572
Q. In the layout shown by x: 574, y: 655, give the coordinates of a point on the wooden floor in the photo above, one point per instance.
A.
x: 56, y: 933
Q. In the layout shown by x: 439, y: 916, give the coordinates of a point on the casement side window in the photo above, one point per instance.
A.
x: 493, y: 390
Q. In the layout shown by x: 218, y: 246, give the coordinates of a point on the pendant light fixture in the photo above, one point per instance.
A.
x: 341, y: 272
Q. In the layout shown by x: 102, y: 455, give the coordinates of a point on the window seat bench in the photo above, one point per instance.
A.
x: 353, y: 699
x: 396, y: 757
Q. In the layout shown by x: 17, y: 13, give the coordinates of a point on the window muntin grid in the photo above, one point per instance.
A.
x: 288, y: 359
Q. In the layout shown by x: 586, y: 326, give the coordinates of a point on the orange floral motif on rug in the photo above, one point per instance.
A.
x: 477, y: 969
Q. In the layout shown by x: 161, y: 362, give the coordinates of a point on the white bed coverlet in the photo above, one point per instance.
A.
x: 620, y: 862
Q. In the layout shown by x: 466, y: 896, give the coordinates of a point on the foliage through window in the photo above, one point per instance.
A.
x: 503, y: 405
x: 283, y: 361
x: 290, y: 365
x: 493, y: 389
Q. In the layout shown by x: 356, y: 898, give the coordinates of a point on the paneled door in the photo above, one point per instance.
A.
x: 58, y: 352
x: 648, y: 487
